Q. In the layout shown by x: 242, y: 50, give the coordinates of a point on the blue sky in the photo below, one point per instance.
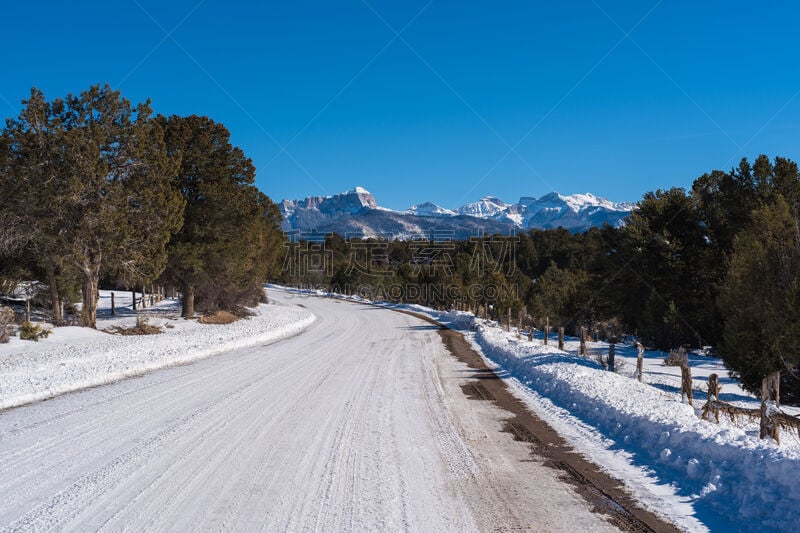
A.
x: 444, y: 101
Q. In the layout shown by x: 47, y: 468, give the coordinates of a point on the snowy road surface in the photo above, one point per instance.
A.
x: 359, y: 423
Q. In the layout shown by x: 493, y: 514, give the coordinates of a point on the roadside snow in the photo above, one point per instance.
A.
x: 698, y: 474
x: 74, y: 358
x: 693, y: 471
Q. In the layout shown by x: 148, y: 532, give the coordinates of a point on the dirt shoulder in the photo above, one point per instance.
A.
x: 605, y: 493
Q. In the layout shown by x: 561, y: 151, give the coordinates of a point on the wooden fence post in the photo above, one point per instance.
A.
x: 770, y: 399
x: 713, y: 396
x: 561, y: 337
x: 612, y: 352
x: 582, y: 350
x: 133, y: 299
x: 113, y: 308
x: 546, y: 329
x: 686, y: 382
x: 639, y: 360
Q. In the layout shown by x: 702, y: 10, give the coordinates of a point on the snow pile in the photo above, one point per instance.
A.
x: 73, y: 358
x: 727, y: 475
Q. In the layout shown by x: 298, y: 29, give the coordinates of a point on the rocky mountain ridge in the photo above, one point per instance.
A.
x: 356, y: 212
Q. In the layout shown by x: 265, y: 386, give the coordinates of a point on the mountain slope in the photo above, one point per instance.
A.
x: 356, y: 213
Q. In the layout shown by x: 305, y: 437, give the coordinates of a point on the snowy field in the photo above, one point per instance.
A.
x: 74, y: 358
x: 698, y: 474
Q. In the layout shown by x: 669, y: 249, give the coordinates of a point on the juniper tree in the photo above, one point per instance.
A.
x: 231, y: 233
x: 33, y: 208
x: 93, y: 178
x: 760, y: 299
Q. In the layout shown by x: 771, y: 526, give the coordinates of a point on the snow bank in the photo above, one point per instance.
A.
x: 728, y: 476
x: 76, y: 358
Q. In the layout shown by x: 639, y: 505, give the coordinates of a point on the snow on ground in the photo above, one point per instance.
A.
x: 698, y: 474
x: 358, y: 424
x: 74, y: 358
x: 691, y: 470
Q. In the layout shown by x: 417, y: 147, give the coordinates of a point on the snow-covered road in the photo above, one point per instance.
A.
x: 359, y: 423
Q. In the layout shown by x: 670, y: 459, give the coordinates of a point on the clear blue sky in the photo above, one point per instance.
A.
x: 470, y: 99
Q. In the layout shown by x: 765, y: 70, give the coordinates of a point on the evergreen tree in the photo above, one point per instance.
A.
x: 663, y: 267
x: 32, y: 205
x: 230, y: 238
x: 91, y: 175
x: 760, y: 299
x: 564, y: 296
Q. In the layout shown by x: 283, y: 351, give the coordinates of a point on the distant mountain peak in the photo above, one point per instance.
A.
x: 357, y: 190
x: 430, y: 209
x: 356, y: 210
x: 487, y: 206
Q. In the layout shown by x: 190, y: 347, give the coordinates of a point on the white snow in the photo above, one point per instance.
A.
x: 486, y: 207
x: 430, y: 209
x: 698, y: 474
x: 74, y: 358
x: 356, y: 190
x: 358, y: 424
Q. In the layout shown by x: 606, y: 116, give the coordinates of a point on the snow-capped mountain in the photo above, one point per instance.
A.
x: 576, y: 212
x: 429, y: 209
x: 486, y: 207
x: 356, y: 213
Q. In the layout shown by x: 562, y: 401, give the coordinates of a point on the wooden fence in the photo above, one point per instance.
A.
x: 771, y: 419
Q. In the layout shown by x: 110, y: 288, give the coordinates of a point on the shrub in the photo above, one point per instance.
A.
x: 33, y: 332
x: 6, y: 320
x: 677, y: 357
x: 218, y: 317
x: 141, y: 328
x: 240, y: 311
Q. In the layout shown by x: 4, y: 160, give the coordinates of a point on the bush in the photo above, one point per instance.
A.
x: 6, y: 320
x: 218, y: 317
x: 677, y: 357
x: 33, y: 332
x: 141, y: 328
x: 240, y: 311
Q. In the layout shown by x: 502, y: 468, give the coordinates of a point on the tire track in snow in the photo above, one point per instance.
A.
x: 357, y: 424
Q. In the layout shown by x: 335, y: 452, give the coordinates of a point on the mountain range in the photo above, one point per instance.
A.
x: 356, y: 213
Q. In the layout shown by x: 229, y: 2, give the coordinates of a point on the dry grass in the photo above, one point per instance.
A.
x: 141, y: 329
x: 218, y: 317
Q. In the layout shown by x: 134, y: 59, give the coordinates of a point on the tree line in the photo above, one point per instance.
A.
x: 717, y: 265
x: 96, y: 190
x: 93, y: 188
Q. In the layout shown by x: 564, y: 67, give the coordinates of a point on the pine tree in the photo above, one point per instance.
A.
x: 663, y: 263
x: 92, y: 174
x: 231, y: 236
x: 760, y: 298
